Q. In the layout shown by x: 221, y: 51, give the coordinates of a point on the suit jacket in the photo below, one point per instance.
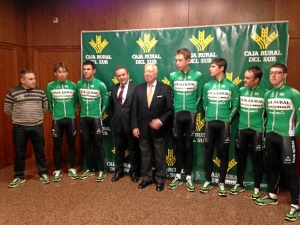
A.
x: 121, y: 115
x: 161, y: 107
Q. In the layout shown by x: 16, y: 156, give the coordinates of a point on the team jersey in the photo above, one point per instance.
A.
x: 252, y: 108
x: 187, y: 89
x: 62, y: 99
x: 93, y: 98
x: 282, y: 104
x: 220, y: 100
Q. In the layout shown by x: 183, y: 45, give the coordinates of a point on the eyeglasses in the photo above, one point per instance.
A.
x: 275, y: 73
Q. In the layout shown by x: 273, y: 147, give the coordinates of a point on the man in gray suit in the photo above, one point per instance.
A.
x: 152, y: 112
x: 120, y: 109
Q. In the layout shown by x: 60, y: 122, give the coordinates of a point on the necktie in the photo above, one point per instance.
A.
x: 121, y: 94
x: 149, y: 95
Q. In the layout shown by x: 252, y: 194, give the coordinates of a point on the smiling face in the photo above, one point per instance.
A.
x: 150, y: 73
x: 122, y: 76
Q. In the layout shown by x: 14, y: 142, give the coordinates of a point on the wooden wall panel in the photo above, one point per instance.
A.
x: 289, y: 10
x: 8, y: 59
x: 152, y: 14
x: 45, y: 58
x: 215, y: 12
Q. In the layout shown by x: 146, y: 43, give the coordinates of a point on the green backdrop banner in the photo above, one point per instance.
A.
x: 242, y: 45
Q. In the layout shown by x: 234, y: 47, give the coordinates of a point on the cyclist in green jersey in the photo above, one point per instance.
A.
x: 93, y: 98
x: 62, y: 104
x: 282, y: 104
x: 186, y: 84
x: 220, y: 103
x: 251, y: 130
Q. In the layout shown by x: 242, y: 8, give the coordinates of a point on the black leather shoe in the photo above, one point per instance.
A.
x: 134, y: 177
x: 117, y: 177
x: 144, y: 184
x: 160, y: 186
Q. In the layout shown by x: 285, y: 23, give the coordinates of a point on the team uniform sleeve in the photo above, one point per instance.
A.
x: 199, y: 89
x: 104, y: 99
x: 235, y: 100
x: 204, y: 97
x: 49, y: 97
x: 296, y: 101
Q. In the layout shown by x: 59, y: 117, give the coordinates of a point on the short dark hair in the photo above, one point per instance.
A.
x: 185, y: 52
x: 220, y: 62
x: 60, y: 65
x: 89, y: 62
x: 23, y: 72
x: 257, y: 71
x: 280, y: 65
x: 121, y: 67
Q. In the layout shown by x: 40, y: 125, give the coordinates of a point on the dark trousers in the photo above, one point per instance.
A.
x: 68, y: 126
x: 281, y: 157
x: 217, y: 134
x: 245, y: 137
x: 184, y: 131
x: 127, y: 141
x: 20, y: 138
x: 153, y: 147
x: 91, y: 131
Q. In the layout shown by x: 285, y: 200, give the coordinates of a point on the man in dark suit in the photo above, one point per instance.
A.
x: 120, y: 109
x: 152, y: 111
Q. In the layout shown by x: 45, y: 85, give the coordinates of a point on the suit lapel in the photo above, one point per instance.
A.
x: 129, y: 91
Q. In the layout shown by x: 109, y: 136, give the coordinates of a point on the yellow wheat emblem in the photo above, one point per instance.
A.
x: 165, y: 81
x: 201, y: 42
x: 104, y: 116
x: 231, y: 164
x: 170, y: 158
x: 115, y: 80
x: 236, y: 81
x: 98, y: 45
x: 147, y: 44
x: 114, y: 150
x: 217, y: 161
x: 229, y: 76
x: 126, y: 152
x: 264, y: 39
x: 199, y: 123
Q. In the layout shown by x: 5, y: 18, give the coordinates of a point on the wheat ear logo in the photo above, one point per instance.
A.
x: 199, y: 123
x: 98, y: 45
x: 264, y: 39
x: 202, y: 42
x: 231, y: 163
x: 170, y: 158
x: 236, y: 81
x: 126, y: 152
x: 165, y: 81
x: 104, y: 116
x: 147, y: 44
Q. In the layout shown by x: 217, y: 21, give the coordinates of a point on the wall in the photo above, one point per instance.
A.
x: 13, y: 56
x: 32, y: 32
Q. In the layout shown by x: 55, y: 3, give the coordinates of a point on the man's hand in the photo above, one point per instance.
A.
x: 155, y: 124
x: 136, y: 132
